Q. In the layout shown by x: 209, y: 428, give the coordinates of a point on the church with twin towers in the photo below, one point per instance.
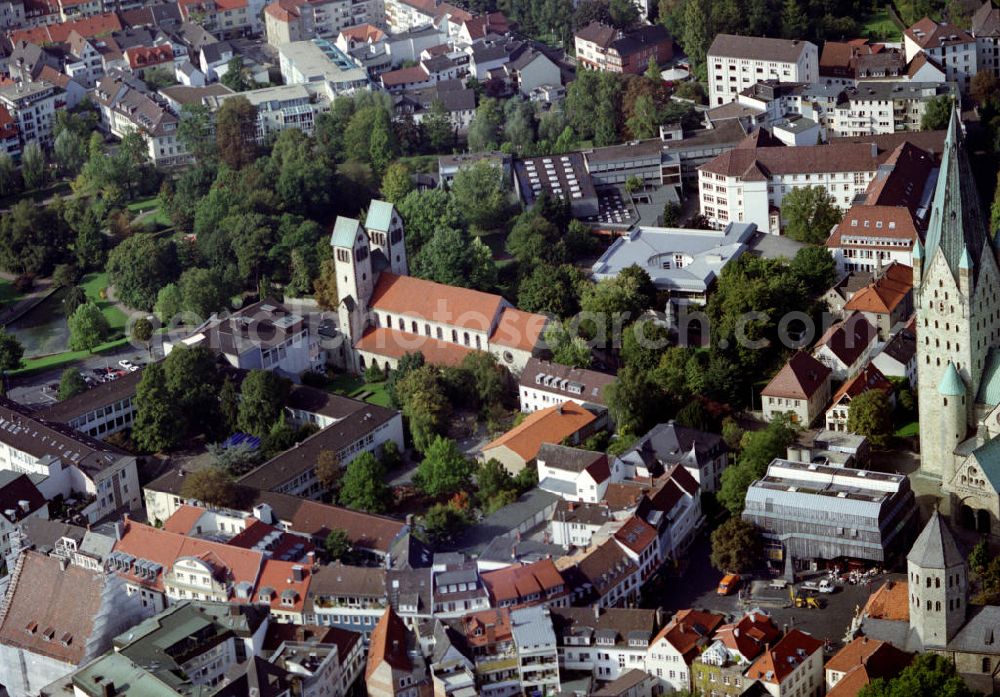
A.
x: 956, y: 285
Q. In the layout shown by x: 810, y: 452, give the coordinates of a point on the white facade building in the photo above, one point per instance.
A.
x: 737, y: 62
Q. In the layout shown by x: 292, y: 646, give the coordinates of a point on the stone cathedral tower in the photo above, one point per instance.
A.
x: 955, y: 282
x: 937, y: 580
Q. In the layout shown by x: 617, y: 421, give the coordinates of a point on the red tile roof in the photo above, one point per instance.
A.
x: 184, y: 519
x: 395, y: 344
x: 800, y: 377
x: 886, y: 293
x: 59, y: 33
x: 901, y: 180
x: 363, y: 32
x: 487, y: 627
x: 231, y: 564
x: 870, y: 378
x: 426, y: 300
x: 279, y: 576
x: 776, y: 664
x: 862, y: 661
x: 518, y: 581
x: 891, y: 601
x: 389, y: 644
x: 143, y: 56
x: 518, y: 330
x: 636, y: 535
x: 550, y: 425
x: 849, y: 339
x: 874, y: 223
x: 404, y: 76
x: 928, y: 34
x: 689, y: 629
x: 51, y: 611
x: 761, y: 163
x: 750, y: 635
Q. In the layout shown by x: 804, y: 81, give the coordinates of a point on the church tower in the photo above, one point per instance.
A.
x: 938, y: 584
x: 352, y: 261
x: 385, y: 230
x: 955, y: 283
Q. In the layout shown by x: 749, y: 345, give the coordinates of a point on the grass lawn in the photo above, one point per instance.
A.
x: 881, y: 27
x: 92, y: 285
x: 908, y: 430
x: 151, y: 210
x: 8, y: 294
x: 57, y: 360
x: 353, y: 386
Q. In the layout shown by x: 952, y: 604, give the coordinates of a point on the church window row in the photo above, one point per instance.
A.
x: 415, y: 329
x: 937, y: 344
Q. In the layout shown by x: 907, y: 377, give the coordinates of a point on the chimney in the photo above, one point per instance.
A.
x: 119, y: 530
x: 108, y: 689
x: 597, y: 611
x: 298, y: 573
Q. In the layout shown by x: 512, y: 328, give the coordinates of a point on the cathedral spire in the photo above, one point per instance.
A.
x: 957, y: 228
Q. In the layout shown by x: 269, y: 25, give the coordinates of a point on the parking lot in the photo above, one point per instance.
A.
x: 39, y: 390
x: 694, y: 583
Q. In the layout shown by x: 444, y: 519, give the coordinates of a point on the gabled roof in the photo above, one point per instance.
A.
x: 575, y: 460
x: 636, y: 535
x: 750, y: 635
x: 800, y: 377
x: 96, y: 25
x: 757, y: 48
x: 422, y: 299
x: 864, y: 660
x: 518, y: 329
x: 597, y: 33
x: 928, y: 34
x: 848, y: 340
x: 519, y: 581
x: 19, y: 497
x: 885, y: 293
x: 776, y: 664
x: 389, y: 644
x: 870, y: 378
x: 549, y: 425
x: 689, y: 629
x: 935, y: 548
x: 395, y: 344
x: 986, y: 20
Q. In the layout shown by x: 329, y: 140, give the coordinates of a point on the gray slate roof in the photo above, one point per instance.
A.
x: 935, y: 548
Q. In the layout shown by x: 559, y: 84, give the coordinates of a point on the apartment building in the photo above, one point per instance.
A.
x: 286, y: 21
x: 537, y: 650
x: 846, y: 62
x: 280, y: 108
x: 721, y: 667
x: 704, y: 455
x: 489, y: 636
x: 32, y: 107
x: 605, y: 642
x: 100, y: 411
x: 737, y: 62
x: 404, y: 15
x: 574, y: 474
x: 747, y: 185
x: 353, y: 598
x: 518, y: 585
x: 986, y: 29
x: 870, y: 378
x: 950, y: 47
x: 68, y: 463
x: 544, y: 384
x: 319, y: 60
x: 601, y: 47
x: 125, y: 109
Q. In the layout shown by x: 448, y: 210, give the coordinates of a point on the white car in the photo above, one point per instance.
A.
x: 128, y: 365
x: 827, y: 586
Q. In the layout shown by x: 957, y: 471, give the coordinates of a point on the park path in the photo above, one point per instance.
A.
x: 12, y: 312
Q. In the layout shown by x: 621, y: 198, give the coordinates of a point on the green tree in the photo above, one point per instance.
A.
x: 142, y: 330
x: 480, y: 192
x: 929, y: 675
x: 551, y: 290
x: 139, y: 267
x: 159, y: 422
x: 363, y: 486
x: 759, y: 448
x: 70, y: 152
x: 979, y: 557
x: 492, y: 478
x: 634, y: 401
x: 303, y: 180
x: 88, y: 328
x: 455, y: 258
x: 262, y: 402
x: 438, y: 128
x: 8, y: 175
x: 423, y: 402
x: 328, y: 469
x: 279, y: 438
x: 325, y: 286
x: 426, y: 212
x: 815, y: 267
x: 567, y: 349
x: 11, y: 353
x: 337, y: 545
x: 213, y: 486
x: 443, y: 522
x: 236, y: 76
x: 937, y: 114
x: 984, y: 88
x: 794, y: 20
x: 810, y: 213
x: 196, y: 131
x: 33, y: 239
x: 736, y: 546
x: 169, y: 303
x: 407, y: 363
x: 644, y: 122
x: 870, y: 415
x: 643, y: 343
x: 34, y: 168
x: 484, y: 130
x: 534, y: 239
x: 203, y: 291
x: 445, y: 469
x: 236, y: 132
x: 396, y: 183
x: 671, y: 214
x: 697, y: 32
x: 491, y: 381
x: 71, y: 384
x: 229, y: 406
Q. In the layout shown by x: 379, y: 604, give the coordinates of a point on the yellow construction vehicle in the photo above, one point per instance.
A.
x: 803, y: 601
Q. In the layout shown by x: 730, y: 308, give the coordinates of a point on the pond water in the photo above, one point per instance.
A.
x: 43, y: 330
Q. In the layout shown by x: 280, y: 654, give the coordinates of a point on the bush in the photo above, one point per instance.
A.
x: 24, y: 283
x: 311, y: 378
x: 374, y: 374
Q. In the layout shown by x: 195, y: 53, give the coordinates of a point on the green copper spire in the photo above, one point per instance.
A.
x: 951, y: 383
x: 957, y: 224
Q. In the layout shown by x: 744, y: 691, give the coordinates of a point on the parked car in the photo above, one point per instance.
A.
x: 128, y: 365
x: 827, y: 586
